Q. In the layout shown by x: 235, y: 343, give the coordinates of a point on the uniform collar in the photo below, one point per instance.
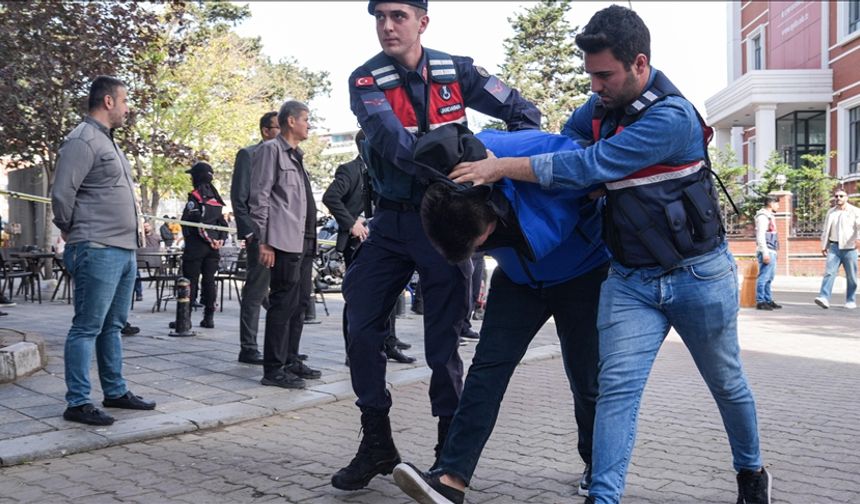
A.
x: 421, y: 70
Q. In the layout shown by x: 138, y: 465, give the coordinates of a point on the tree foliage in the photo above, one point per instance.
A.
x: 197, y: 89
x: 202, y: 97
x: 49, y: 54
x: 542, y: 61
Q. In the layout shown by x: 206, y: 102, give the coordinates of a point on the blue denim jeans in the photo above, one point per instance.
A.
x: 515, y: 313
x: 638, y: 306
x: 103, y: 278
x: 766, y: 273
x: 848, y: 259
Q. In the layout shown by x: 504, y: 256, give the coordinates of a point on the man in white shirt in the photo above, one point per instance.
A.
x: 839, y: 245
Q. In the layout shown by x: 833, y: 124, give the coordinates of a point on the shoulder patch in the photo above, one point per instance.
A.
x: 366, y: 81
x: 190, y: 205
x: 498, y: 89
x: 375, y: 102
x: 482, y: 71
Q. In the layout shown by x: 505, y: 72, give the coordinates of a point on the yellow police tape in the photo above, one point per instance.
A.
x: 42, y: 199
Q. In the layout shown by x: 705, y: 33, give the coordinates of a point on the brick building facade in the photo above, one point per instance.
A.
x: 794, y: 85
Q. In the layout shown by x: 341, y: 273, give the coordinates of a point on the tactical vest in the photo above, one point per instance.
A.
x: 211, y: 211
x: 771, y: 238
x: 664, y: 213
x: 444, y: 105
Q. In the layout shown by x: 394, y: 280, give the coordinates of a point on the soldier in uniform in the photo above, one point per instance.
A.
x: 402, y: 92
x: 201, y: 254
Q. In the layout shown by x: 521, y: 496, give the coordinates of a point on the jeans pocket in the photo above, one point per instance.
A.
x: 712, y: 269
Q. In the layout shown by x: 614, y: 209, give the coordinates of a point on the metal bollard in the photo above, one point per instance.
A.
x: 182, y: 326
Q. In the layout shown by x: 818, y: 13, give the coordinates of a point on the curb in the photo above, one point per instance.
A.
x: 21, y: 358
x: 64, y: 442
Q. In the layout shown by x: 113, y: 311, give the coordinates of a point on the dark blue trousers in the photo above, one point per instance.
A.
x: 380, y: 270
x: 514, y: 314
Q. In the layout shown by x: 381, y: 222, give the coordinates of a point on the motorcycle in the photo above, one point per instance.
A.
x: 328, y: 265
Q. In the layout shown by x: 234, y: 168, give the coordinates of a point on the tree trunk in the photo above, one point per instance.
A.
x: 47, y: 217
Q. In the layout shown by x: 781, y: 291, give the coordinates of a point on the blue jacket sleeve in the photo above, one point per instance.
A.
x: 668, y: 132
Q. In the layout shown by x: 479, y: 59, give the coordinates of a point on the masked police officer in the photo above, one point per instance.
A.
x: 397, y: 95
x: 201, y: 254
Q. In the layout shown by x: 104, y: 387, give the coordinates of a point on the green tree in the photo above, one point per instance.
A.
x: 49, y: 54
x: 810, y: 184
x: 542, y: 61
x: 731, y: 173
x: 201, y: 91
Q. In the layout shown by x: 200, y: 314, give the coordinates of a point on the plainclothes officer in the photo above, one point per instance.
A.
x: 670, y: 266
x: 397, y: 95
x: 201, y: 254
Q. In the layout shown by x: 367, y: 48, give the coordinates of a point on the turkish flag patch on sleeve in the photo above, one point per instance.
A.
x: 364, y: 81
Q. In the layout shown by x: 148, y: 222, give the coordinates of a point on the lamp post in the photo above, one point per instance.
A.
x: 780, y: 181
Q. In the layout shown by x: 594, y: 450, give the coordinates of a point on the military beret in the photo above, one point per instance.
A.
x: 421, y: 4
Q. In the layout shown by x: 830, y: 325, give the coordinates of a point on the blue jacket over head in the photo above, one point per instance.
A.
x: 561, y: 227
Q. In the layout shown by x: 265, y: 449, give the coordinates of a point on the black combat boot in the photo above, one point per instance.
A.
x: 208, y: 319
x: 376, y: 454
x: 442, y: 434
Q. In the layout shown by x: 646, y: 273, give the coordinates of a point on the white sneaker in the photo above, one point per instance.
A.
x: 850, y: 305
x: 822, y: 302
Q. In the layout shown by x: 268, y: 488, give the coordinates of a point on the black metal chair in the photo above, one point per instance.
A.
x: 233, y: 275
x: 17, y: 269
x: 64, y: 281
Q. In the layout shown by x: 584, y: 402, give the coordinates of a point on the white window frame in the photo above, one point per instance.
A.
x: 843, y: 111
x: 843, y: 37
x: 760, y: 33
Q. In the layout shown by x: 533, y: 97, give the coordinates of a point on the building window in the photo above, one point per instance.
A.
x: 853, y: 15
x: 854, y: 141
x: 755, y: 49
x: 756, y: 52
x: 800, y: 133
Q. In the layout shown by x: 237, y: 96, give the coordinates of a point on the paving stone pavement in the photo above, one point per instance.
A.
x: 802, y: 362
x: 197, y: 382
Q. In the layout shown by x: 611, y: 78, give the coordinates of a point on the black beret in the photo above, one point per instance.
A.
x: 422, y: 4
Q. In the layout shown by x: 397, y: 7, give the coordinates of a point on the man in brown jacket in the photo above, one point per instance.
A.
x: 283, y: 212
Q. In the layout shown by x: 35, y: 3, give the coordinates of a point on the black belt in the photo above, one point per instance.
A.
x: 834, y: 242
x: 387, y: 204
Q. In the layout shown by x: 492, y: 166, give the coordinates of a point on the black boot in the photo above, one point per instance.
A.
x: 442, y: 434
x: 376, y: 454
x: 208, y: 319
x: 393, y: 353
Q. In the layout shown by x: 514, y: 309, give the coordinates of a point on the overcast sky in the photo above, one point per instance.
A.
x: 688, y: 40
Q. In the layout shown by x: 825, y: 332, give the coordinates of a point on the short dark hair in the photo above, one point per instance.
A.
x: 359, y: 139
x: 769, y: 200
x: 103, y: 85
x: 291, y: 108
x: 453, y: 219
x: 618, y: 29
x: 266, y: 119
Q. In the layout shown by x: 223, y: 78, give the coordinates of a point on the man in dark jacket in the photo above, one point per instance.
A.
x: 346, y: 199
x: 256, y: 285
x: 202, y: 246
